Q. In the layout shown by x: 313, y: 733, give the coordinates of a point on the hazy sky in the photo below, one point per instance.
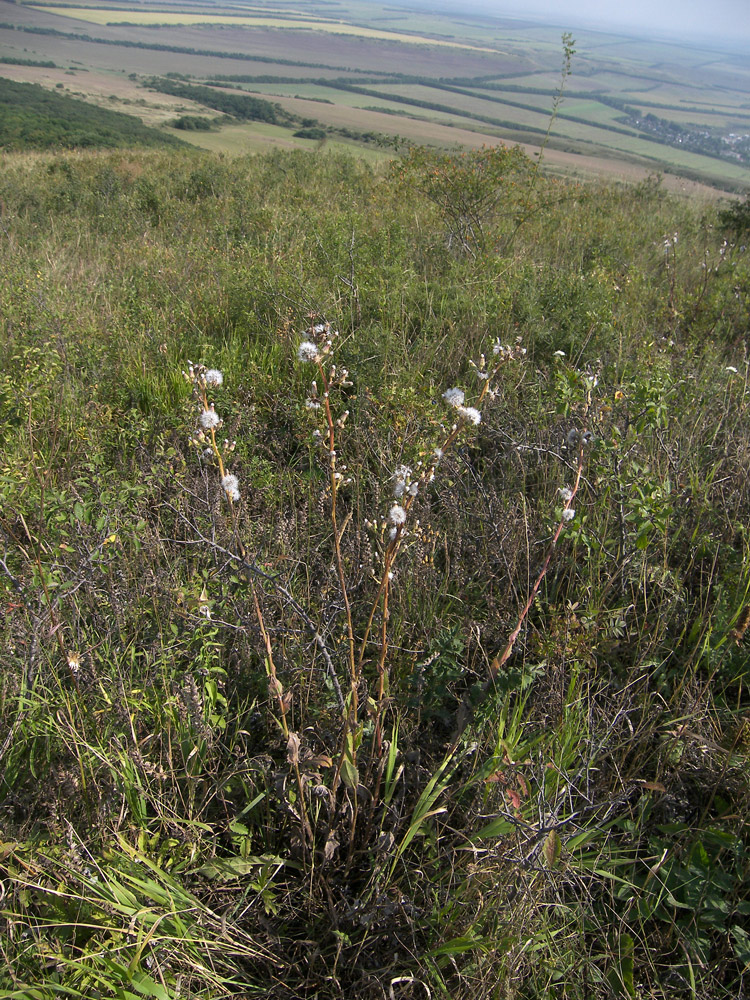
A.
x: 709, y: 19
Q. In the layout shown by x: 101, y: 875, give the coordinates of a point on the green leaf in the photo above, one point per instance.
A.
x: 620, y: 978
x: 148, y: 987
x: 349, y: 773
x: 460, y: 945
x: 497, y: 828
x: 741, y: 944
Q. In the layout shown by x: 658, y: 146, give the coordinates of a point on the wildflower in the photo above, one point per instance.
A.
x: 566, y: 493
x: 397, y: 515
x: 454, y: 397
x: 401, y: 476
x: 559, y: 354
x: 213, y: 377
x: 312, y: 404
x: 307, y: 351
x: 74, y: 662
x: 470, y: 414
x: 568, y: 514
x: 438, y: 454
x: 210, y: 419
x: 231, y: 486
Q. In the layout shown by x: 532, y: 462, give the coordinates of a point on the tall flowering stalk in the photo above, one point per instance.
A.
x: 202, y: 379
x: 406, y: 489
x: 315, y: 351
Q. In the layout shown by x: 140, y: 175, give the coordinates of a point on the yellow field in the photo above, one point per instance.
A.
x: 98, y: 16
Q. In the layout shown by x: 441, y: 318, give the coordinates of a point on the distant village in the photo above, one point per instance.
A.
x: 734, y: 146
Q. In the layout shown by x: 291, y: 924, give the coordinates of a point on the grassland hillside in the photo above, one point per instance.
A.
x: 32, y: 117
x: 375, y: 575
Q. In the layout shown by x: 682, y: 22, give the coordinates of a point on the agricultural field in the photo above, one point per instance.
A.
x: 630, y: 107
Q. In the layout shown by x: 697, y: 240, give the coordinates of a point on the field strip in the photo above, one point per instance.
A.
x: 146, y: 18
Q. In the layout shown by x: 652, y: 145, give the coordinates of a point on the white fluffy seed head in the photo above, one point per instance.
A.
x: 210, y: 419
x: 454, y: 397
x: 213, y: 377
x: 401, y: 475
x: 471, y: 414
x: 307, y: 351
x: 397, y: 515
x: 231, y: 486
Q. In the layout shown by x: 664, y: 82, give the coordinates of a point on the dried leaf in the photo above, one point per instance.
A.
x: 497, y: 776
x: 552, y: 848
x: 332, y: 845
x: 292, y: 749
x: 275, y: 687
x: 319, y: 760
x: 653, y: 786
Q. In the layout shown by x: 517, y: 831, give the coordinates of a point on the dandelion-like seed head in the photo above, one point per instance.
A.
x: 74, y: 662
x: 397, y: 515
x: 565, y: 493
x: 568, y: 514
x: 401, y: 476
x: 213, y: 377
x: 454, y: 397
x: 231, y: 486
x: 470, y: 414
x: 307, y: 351
x: 210, y: 419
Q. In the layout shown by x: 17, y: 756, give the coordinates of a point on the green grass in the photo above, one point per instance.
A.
x: 241, y: 758
x: 32, y: 117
